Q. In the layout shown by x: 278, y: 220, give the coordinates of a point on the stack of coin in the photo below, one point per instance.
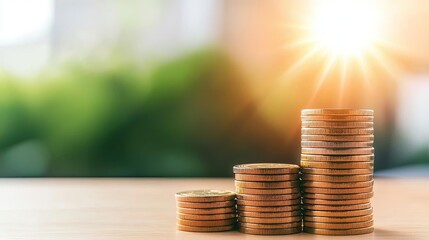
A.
x: 337, y: 170
x: 268, y: 198
x: 206, y: 210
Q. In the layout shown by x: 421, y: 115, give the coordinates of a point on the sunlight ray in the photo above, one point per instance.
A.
x: 343, y: 80
x: 300, y: 62
x: 323, y: 75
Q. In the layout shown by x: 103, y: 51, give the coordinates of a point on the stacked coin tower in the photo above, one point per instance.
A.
x: 337, y: 170
x: 268, y: 198
x: 206, y: 210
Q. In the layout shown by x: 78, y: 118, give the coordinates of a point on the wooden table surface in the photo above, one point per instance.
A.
x: 127, y: 209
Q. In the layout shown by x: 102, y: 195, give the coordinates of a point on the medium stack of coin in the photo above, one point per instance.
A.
x: 268, y: 198
x: 206, y: 210
x: 337, y: 170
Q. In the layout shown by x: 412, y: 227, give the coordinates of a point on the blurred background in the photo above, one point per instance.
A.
x: 191, y: 88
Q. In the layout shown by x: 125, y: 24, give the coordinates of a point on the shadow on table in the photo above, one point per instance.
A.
x: 391, y: 234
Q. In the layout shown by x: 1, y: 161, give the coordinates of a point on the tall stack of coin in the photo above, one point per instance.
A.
x: 337, y: 170
x: 206, y: 210
x: 268, y: 198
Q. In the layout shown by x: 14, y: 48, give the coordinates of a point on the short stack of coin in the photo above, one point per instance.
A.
x: 268, y: 198
x: 206, y: 210
x: 337, y: 160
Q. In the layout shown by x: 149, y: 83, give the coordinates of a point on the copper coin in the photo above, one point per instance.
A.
x: 353, y: 213
x: 206, y: 217
x: 337, y: 131
x: 337, y: 118
x: 205, y: 204
x: 325, y: 144
x: 205, y: 229
x: 325, y: 124
x: 339, y: 138
x: 270, y: 214
x: 338, y: 219
x: 268, y: 209
x: 337, y: 184
x: 266, y: 191
x: 321, y: 171
x: 337, y: 179
x: 338, y: 165
x: 355, y: 225
x: 337, y: 151
x: 269, y: 220
x: 268, y: 197
x: 335, y: 202
x: 333, y: 159
x: 204, y: 211
x: 337, y: 207
x: 266, y: 178
x: 266, y: 168
x: 338, y: 196
x: 257, y: 231
x: 270, y: 226
x: 283, y: 184
x: 337, y: 190
x: 337, y: 111
x: 339, y: 231
x: 205, y: 196
x: 206, y: 223
x: 269, y: 203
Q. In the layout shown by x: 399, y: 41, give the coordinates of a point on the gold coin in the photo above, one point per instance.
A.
x: 269, y: 203
x: 339, y: 179
x: 268, y: 209
x: 337, y: 118
x: 321, y: 158
x: 268, y: 197
x: 339, y: 231
x: 326, y: 144
x: 354, y: 225
x: 269, y: 220
x: 283, y: 184
x: 266, y: 168
x: 205, y: 204
x: 337, y: 151
x: 325, y: 124
x: 205, y: 229
x: 270, y: 214
x: 321, y: 171
x: 338, y: 196
x: 270, y: 226
x: 206, y: 223
x: 337, y: 190
x: 337, y: 165
x: 266, y: 178
x: 206, y: 217
x: 266, y: 191
x: 337, y: 131
x: 335, y: 202
x: 205, y: 211
x: 353, y: 213
x: 338, y: 111
x: 337, y: 207
x: 339, y: 138
x: 257, y: 231
x: 338, y: 219
x: 205, y: 196
x: 337, y: 184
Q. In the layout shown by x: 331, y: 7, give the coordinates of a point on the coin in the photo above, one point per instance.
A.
x: 337, y: 190
x: 337, y: 207
x: 206, y: 217
x: 337, y: 184
x: 335, y: 202
x: 354, y: 225
x: 205, y: 229
x: 321, y: 171
x: 337, y: 118
x: 337, y: 151
x: 269, y: 220
x: 270, y: 214
x: 338, y: 219
x: 257, y: 231
x: 268, y: 209
x: 205, y: 196
x: 283, y: 184
x: 268, y: 197
x: 266, y: 178
x: 205, y: 204
x: 338, y: 138
x: 270, y: 226
x: 338, y: 111
x: 339, y: 179
x: 337, y: 131
x: 353, y: 213
x: 338, y: 196
x: 204, y: 211
x: 266, y: 191
x: 321, y: 158
x: 266, y: 168
x: 337, y: 165
x: 326, y: 144
x: 339, y: 231
x: 206, y: 223
x: 269, y: 203
x: 325, y: 124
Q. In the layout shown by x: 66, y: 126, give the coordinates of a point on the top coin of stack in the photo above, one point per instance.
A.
x: 268, y: 198
x: 337, y: 170
x: 206, y: 210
